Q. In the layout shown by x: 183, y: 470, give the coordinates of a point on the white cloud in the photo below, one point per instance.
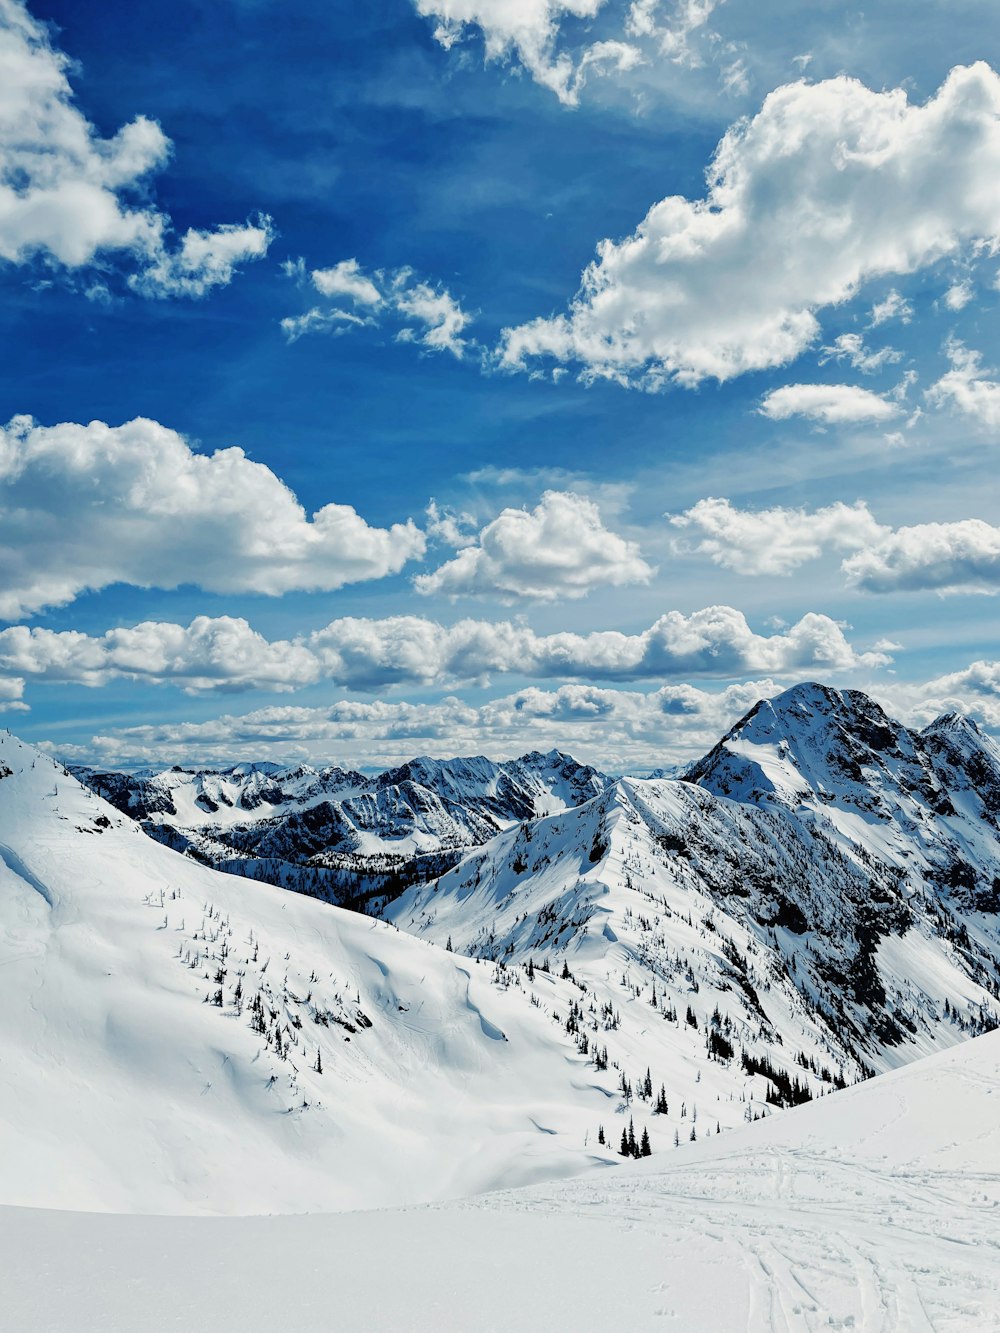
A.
x: 958, y: 296
x: 947, y: 557
x: 442, y: 318
x: 82, y: 507
x: 444, y: 525
x: 561, y: 548
x: 829, y: 186
x: 11, y: 691
x: 64, y: 190
x: 963, y: 556
x: 347, y: 279
x: 973, y: 690
x: 851, y: 347
x: 832, y: 404
x: 433, y: 317
x: 893, y: 307
x: 673, y: 38
x: 716, y: 642
x: 223, y: 653
x: 774, y: 541
x: 226, y: 654
x: 205, y: 259
x: 529, y: 31
x: 966, y: 387
x: 615, y: 729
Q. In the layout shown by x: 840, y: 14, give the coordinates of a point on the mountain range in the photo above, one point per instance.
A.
x: 603, y: 966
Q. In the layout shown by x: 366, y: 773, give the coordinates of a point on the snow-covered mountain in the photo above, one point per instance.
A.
x: 874, y: 1211
x: 338, y: 834
x: 663, y: 958
x: 822, y: 888
x: 175, y: 1039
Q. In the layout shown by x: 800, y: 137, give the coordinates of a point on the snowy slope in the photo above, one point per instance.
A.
x: 178, y: 1040
x: 874, y: 1210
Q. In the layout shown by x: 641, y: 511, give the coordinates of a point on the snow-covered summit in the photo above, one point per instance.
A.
x: 811, y: 740
x: 921, y: 805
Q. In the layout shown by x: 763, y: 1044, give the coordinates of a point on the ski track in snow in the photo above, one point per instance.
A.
x: 874, y: 1210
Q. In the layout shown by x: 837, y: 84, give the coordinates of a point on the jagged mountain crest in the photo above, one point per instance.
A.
x: 860, y: 858
x: 337, y: 833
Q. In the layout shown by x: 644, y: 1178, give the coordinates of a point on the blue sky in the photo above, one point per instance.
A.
x: 350, y: 242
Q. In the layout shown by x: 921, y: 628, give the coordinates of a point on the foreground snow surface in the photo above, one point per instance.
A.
x: 875, y: 1209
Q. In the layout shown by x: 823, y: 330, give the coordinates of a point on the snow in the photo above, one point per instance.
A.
x: 315, y: 829
x: 124, y: 1088
x: 183, y: 1052
x: 874, y: 1209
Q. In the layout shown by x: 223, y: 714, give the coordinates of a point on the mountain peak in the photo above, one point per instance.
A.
x: 808, y: 739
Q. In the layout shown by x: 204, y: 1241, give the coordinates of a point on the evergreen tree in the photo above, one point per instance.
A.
x: 448, y: 945
x: 600, y: 1136
x: 633, y: 1147
x: 318, y: 1066
x: 645, y: 1149
x: 624, y: 1149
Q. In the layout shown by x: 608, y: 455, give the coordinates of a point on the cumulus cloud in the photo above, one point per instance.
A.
x: 774, y: 541
x: 561, y: 548
x: 966, y: 387
x: 11, y: 691
x: 430, y: 315
x: 69, y: 196
x: 958, y: 296
x: 205, y: 259
x: 82, y: 507
x: 946, y: 557
x: 616, y: 729
x: 962, y: 556
x: 850, y: 347
x: 829, y: 186
x: 832, y: 404
x: 221, y: 653
x: 226, y: 654
x: 892, y: 307
x: 973, y: 690
x: 529, y: 31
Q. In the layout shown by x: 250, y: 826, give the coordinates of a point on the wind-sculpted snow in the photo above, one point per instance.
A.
x: 873, y: 1210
